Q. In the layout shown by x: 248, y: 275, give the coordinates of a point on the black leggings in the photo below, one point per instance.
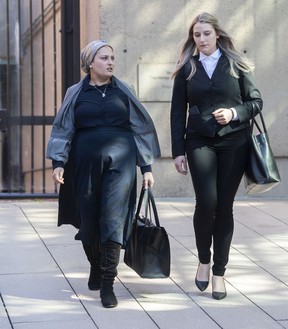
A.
x: 216, y: 166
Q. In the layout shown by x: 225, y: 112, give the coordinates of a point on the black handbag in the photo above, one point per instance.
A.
x: 262, y: 172
x: 148, y: 248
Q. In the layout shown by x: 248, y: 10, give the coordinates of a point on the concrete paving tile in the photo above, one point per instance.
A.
x: 258, y: 220
x: 69, y: 255
x: 183, y: 269
x: 146, y: 289
x: 73, y: 263
x: 36, y: 204
x: 25, y: 253
x: 260, y: 249
x: 185, y: 248
x: 48, y: 230
x: 25, y: 310
x: 17, y: 224
x: 85, y: 323
x: 174, y: 313
x: 39, y: 297
x: 272, y: 300
x: 129, y: 314
x: 174, y: 216
x: 277, y: 268
x: 38, y: 211
x: 44, y: 217
x: 7, y: 207
x: 143, y: 287
x: 280, y: 240
x: 284, y: 323
x: 180, y: 226
x: 4, y: 323
x: 266, y: 226
x: 263, y: 290
x: 174, y: 244
x: 78, y: 280
x: 277, y: 208
x: 4, y: 320
x: 164, y: 206
x: 167, y: 208
x: 187, y: 242
x: 76, y: 268
x: 39, y: 285
x: 81, y: 289
x: 185, y: 205
x: 6, y: 204
x: 242, y: 231
x: 237, y: 313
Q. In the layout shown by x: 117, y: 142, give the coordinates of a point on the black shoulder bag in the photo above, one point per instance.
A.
x: 262, y: 172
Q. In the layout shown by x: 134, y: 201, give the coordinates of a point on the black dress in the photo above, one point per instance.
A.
x: 101, y: 169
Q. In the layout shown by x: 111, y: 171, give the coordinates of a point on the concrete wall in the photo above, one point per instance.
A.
x: 148, y: 33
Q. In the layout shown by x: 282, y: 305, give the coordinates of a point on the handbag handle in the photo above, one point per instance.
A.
x: 140, y: 202
x: 152, y: 202
x: 255, y: 122
x: 146, y: 198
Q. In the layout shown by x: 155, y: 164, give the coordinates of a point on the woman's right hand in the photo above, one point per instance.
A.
x: 180, y: 163
x: 58, y: 175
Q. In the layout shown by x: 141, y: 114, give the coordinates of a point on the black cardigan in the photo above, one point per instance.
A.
x: 202, y: 95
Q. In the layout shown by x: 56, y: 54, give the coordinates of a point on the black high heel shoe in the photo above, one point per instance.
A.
x: 218, y: 294
x: 202, y: 285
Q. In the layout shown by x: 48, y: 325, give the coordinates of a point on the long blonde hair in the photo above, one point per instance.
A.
x: 237, y: 61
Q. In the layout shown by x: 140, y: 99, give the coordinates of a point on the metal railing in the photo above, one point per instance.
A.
x: 29, y: 74
x: 32, y: 80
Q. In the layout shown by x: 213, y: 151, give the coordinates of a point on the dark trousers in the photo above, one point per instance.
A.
x: 216, y: 166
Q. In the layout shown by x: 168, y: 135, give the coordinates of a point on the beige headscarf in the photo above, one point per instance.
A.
x: 88, y: 53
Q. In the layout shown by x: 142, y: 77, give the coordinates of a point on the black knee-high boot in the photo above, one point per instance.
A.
x: 94, y: 255
x: 110, y: 252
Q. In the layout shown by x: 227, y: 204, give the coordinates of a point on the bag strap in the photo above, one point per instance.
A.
x: 255, y: 109
x: 255, y: 112
x: 152, y: 202
x: 146, y: 199
x: 140, y: 202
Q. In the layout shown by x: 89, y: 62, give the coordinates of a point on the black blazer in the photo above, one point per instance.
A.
x: 202, y: 95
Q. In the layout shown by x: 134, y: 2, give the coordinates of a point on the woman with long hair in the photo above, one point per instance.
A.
x: 214, y: 83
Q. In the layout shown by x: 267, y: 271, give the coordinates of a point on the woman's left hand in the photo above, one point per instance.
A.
x: 223, y: 116
x: 148, y: 180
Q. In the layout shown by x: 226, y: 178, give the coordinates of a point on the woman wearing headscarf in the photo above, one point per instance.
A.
x: 99, y: 136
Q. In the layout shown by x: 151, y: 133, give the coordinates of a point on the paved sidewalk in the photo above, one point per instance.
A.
x: 43, y: 274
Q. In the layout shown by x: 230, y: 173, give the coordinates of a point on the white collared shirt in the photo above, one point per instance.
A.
x: 209, y: 63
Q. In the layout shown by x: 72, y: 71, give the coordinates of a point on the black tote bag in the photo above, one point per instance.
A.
x: 148, y: 248
x: 262, y: 172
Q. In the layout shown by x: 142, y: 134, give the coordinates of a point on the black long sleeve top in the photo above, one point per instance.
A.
x: 112, y: 111
x: 194, y: 100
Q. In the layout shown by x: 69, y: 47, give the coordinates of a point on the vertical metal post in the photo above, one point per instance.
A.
x: 55, y: 57
x: 7, y: 168
x: 70, y: 28
x: 21, y: 188
x: 55, y: 64
x: 43, y: 95
x: 32, y: 94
